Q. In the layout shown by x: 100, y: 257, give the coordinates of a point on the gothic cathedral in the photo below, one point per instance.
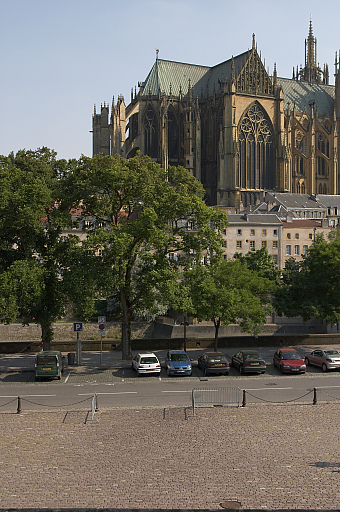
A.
x: 239, y: 130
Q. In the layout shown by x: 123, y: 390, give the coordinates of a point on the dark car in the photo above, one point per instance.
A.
x: 288, y: 360
x: 248, y: 361
x: 214, y: 362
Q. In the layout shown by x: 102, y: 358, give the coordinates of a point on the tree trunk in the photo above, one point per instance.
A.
x: 126, y: 328
x: 217, y: 324
x: 46, y: 335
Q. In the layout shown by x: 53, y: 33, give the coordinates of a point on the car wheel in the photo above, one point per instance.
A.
x: 132, y: 367
x: 307, y: 361
x: 281, y: 370
x: 168, y: 372
x: 240, y: 369
x: 205, y: 372
x: 324, y: 367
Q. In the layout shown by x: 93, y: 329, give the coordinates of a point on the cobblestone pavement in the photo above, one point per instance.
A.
x: 270, y: 457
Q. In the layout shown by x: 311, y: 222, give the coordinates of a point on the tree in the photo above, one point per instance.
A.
x: 34, y: 260
x: 150, y: 223
x: 227, y: 292
x: 311, y: 289
x: 262, y: 262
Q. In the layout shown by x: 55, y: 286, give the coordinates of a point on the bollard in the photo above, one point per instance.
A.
x: 96, y: 407
x: 244, y: 401
x: 314, y: 397
x: 19, y: 405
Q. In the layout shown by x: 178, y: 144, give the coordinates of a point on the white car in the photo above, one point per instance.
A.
x: 327, y: 359
x: 146, y: 363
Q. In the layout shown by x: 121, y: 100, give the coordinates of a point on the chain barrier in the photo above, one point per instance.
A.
x: 13, y: 400
x: 327, y: 394
x: 274, y: 401
x: 59, y: 406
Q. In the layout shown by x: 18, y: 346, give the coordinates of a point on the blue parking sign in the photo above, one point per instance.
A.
x: 78, y: 327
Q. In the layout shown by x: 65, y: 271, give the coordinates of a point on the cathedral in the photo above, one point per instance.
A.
x: 239, y: 130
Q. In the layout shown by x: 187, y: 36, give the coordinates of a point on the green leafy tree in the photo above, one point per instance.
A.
x: 311, y: 289
x: 38, y: 263
x: 150, y: 223
x: 262, y: 262
x: 228, y: 292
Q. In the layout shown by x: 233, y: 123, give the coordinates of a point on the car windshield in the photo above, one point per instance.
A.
x: 290, y: 356
x: 148, y: 360
x: 44, y: 360
x: 179, y: 357
x: 248, y: 357
x: 217, y: 359
x: 332, y: 352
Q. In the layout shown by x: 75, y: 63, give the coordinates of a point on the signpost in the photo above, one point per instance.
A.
x: 78, y: 327
x: 101, y: 331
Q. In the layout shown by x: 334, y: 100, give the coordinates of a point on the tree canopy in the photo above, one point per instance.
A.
x: 150, y: 224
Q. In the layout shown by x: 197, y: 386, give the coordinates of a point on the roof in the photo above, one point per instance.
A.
x: 304, y: 94
x: 302, y: 223
x: 290, y: 200
x: 254, y: 218
x: 329, y: 200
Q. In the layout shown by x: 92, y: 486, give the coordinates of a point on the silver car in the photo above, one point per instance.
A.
x: 327, y: 359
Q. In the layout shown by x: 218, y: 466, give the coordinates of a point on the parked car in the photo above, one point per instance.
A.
x: 249, y: 361
x: 214, y: 362
x: 177, y: 362
x: 327, y: 359
x: 49, y: 363
x: 146, y: 363
x: 288, y: 360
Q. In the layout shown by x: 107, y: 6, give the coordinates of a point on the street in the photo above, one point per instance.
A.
x: 120, y: 387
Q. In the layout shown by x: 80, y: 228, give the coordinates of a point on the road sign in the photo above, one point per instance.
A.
x: 78, y: 327
x: 102, y: 333
x: 101, y: 327
x: 101, y: 319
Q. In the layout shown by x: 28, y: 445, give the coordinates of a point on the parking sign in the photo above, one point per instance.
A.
x: 78, y: 327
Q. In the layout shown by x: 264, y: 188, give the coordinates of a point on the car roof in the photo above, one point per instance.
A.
x: 143, y: 354
x: 177, y: 352
x: 214, y: 354
x: 288, y: 350
x: 249, y: 351
x: 49, y: 353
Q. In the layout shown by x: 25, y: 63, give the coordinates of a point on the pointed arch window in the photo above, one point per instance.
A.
x: 150, y: 133
x: 256, y: 150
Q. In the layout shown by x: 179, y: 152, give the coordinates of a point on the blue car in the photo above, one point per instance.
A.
x: 177, y: 362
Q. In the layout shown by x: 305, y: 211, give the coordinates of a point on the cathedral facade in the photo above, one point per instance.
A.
x: 240, y: 131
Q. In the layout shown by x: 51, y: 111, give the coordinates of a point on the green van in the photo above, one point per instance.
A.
x: 49, y: 363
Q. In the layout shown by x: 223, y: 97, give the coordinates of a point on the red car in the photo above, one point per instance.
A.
x: 288, y: 360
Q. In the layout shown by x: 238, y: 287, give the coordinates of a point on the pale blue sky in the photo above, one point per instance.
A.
x: 60, y: 57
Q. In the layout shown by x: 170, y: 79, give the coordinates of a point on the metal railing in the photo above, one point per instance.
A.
x: 215, y: 396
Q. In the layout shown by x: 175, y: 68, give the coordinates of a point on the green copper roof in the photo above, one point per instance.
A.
x: 304, y: 94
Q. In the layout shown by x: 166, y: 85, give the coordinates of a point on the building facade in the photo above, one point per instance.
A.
x: 238, y: 129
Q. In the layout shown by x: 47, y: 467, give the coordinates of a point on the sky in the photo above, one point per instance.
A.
x: 59, y: 58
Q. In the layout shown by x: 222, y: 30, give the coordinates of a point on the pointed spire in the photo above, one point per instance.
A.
x: 254, y: 44
x: 275, y: 74
x: 94, y: 110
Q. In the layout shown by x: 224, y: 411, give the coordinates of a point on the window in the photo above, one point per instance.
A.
x: 101, y: 252
x: 256, y: 150
x: 224, y: 231
x: 275, y: 244
x: 310, y: 236
x: 239, y: 244
x: 305, y: 248
x: 264, y: 232
x: 264, y: 244
x: 252, y: 244
x: 224, y: 256
x: 224, y: 243
x: 275, y: 232
x: 275, y: 258
x: 297, y: 250
x: 288, y: 250
x: 239, y: 231
x: 252, y: 232
x: 288, y: 236
x: 297, y: 236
